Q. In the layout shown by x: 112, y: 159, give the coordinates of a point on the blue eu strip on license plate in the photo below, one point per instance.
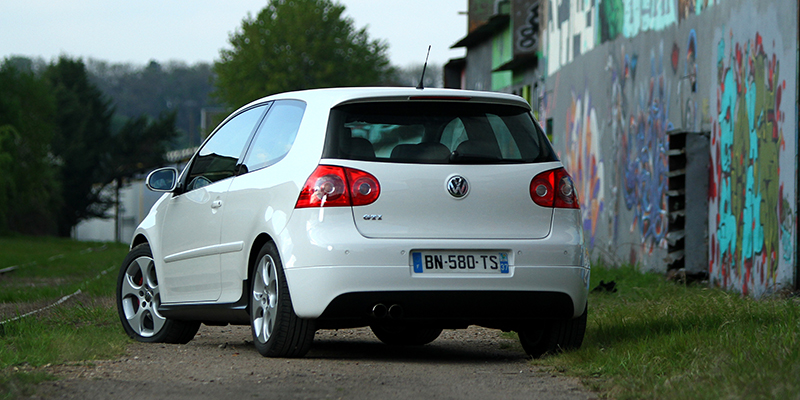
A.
x: 486, y: 262
x: 417, y: 257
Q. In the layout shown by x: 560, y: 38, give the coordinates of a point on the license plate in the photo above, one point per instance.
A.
x: 479, y: 262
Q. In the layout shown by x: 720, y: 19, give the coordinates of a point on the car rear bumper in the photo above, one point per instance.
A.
x: 347, y: 296
x: 333, y: 272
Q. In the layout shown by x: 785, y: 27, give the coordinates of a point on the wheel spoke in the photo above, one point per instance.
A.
x: 266, y: 271
x: 136, y: 319
x: 128, y: 288
x: 269, y: 318
x: 265, y: 296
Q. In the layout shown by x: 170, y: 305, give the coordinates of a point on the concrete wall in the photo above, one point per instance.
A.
x: 621, y: 74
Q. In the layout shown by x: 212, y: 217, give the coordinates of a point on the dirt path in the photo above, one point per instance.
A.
x: 221, y: 363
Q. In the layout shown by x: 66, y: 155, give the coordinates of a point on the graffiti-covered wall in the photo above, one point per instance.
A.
x: 622, y: 76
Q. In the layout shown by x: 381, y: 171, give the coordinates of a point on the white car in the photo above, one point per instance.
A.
x: 406, y: 210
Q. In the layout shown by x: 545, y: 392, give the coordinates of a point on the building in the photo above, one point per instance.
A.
x: 676, y: 118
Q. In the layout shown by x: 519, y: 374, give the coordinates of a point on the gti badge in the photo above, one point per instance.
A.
x: 457, y: 186
x: 373, y: 217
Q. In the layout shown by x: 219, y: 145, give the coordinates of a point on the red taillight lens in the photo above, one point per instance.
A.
x: 554, y: 188
x: 364, y: 188
x: 330, y: 186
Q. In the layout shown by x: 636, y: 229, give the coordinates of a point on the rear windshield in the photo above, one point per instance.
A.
x: 436, y: 133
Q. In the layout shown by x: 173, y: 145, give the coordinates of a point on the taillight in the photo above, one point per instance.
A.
x: 554, y: 188
x: 330, y: 186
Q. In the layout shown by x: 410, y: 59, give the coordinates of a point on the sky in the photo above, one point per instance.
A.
x: 195, y: 30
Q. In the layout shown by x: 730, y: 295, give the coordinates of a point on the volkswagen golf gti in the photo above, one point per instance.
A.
x: 406, y: 210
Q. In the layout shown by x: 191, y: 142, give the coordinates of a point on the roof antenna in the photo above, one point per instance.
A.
x: 424, y: 67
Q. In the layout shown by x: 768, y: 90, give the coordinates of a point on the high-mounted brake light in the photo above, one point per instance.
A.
x: 555, y: 189
x: 330, y: 186
x: 434, y: 98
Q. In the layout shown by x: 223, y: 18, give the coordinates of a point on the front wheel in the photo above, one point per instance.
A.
x: 277, y: 330
x: 138, y: 299
x: 554, y: 336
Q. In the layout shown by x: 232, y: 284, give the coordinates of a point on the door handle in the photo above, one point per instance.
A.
x: 216, y: 204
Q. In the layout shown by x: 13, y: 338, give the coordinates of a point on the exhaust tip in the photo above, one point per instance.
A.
x: 379, y: 311
x: 396, y: 311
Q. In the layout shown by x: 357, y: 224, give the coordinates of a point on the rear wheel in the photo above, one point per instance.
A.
x: 554, y: 337
x: 277, y: 330
x: 138, y: 299
x: 405, y: 335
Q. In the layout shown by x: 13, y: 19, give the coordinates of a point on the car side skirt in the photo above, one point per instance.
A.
x: 211, y: 314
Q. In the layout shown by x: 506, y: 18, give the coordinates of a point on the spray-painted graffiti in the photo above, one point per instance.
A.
x: 645, y: 15
x: 526, y: 27
x: 748, y: 210
x: 584, y: 162
x: 610, y: 15
x: 640, y: 136
x: 688, y: 85
x: 570, y: 31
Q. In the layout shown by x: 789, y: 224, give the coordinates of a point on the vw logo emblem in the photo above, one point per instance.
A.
x: 457, y: 186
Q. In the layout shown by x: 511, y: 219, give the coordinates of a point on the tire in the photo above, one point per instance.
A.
x: 554, y: 337
x: 277, y: 330
x: 138, y: 297
x: 405, y: 335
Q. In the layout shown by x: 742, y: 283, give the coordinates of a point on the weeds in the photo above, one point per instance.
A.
x: 84, y: 328
x: 657, y: 339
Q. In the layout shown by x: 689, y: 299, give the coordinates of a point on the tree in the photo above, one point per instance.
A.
x: 298, y: 44
x: 409, y: 76
x: 28, y: 185
x: 82, y: 144
x: 141, y: 145
x: 89, y: 155
x: 155, y: 89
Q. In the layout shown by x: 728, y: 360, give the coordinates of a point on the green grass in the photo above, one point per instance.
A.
x: 651, y: 339
x: 84, y: 328
x: 48, y: 268
x: 662, y: 340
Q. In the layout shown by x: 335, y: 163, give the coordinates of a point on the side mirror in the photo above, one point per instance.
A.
x: 162, y: 179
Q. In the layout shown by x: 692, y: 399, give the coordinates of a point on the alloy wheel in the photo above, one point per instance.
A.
x: 265, y: 299
x: 141, y: 298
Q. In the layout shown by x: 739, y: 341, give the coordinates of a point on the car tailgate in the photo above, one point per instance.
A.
x: 415, y: 202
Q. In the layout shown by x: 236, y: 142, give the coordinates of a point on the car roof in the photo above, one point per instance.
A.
x: 332, y: 97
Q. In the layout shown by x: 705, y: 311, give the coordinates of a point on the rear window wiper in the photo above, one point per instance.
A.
x: 466, y: 158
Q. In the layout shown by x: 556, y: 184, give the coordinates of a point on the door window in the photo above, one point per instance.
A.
x: 218, y: 157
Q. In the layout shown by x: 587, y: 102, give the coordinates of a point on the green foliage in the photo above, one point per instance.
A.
x: 658, y: 339
x: 141, y: 145
x: 299, y: 44
x: 28, y: 187
x: 154, y: 90
x: 82, y: 143
x: 58, y: 153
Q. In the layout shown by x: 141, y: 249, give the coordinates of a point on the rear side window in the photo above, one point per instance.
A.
x: 436, y: 133
x: 276, y: 134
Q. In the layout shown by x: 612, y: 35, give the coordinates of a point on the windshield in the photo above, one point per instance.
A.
x: 436, y: 133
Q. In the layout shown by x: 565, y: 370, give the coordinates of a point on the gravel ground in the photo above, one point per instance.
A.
x: 220, y: 362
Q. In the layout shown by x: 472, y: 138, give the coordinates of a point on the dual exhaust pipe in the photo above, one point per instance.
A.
x: 380, y: 310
